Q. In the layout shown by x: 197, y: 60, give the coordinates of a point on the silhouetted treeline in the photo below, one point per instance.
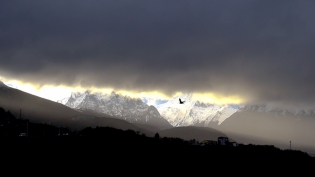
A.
x: 47, y: 143
x: 10, y: 126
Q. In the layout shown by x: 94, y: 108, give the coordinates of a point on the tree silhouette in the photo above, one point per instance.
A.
x: 157, y: 136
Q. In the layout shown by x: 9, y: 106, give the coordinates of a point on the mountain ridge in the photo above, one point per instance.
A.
x: 124, y: 107
x: 190, y: 113
x: 40, y: 110
x: 262, y: 123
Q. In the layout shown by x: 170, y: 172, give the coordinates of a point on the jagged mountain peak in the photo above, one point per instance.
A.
x: 192, y: 112
x: 113, y: 94
x: 117, y: 105
x: 153, y: 110
x: 102, y: 96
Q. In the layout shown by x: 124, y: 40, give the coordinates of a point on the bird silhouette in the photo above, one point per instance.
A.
x: 181, y: 102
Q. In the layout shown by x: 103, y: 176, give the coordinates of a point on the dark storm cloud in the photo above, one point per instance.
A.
x: 260, y: 50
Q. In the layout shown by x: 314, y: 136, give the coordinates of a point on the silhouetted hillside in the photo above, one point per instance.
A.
x: 88, y: 121
x: 130, y: 150
x: 39, y: 110
x: 12, y: 126
x: 35, y: 108
x: 192, y: 132
x: 148, y: 127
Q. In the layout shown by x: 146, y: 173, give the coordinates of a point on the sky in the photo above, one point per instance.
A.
x: 245, y: 51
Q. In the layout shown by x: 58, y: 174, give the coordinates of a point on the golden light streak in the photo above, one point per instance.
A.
x: 55, y: 93
x: 217, y: 99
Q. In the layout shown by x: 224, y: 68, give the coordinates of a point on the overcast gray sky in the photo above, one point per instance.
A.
x: 260, y: 50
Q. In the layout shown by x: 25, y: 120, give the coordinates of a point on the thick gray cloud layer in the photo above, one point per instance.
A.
x: 263, y: 51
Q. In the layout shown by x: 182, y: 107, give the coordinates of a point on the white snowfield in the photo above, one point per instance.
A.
x: 192, y: 112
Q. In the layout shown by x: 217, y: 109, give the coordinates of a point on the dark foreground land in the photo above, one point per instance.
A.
x: 110, y: 150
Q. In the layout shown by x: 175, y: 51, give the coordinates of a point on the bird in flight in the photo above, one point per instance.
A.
x: 181, y: 102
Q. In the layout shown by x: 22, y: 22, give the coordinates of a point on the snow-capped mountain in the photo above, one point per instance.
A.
x: 64, y: 100
x: 124, y: 107
x: 192, y: 112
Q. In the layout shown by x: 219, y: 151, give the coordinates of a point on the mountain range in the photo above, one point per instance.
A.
x: 257, y: 124
x: 192, y: 113
x: 124, y: 107
x: 39, y: 110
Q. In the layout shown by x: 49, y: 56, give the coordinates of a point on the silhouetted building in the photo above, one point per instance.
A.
x: 212, y: 142
x: 223, y: 140
x: 233, y: 144
x: 209, y: 142
x: 193, y: 142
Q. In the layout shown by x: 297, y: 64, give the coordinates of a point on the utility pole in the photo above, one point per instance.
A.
x: 20, y: 113
x: 27, y: 128
x: 43, y: 132
x: 290, y: 145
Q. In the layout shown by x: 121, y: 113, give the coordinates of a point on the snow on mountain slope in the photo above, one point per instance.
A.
x: 192, y: 112
x: 76, y: 99
x: 63, y: 101
x: 124, y: 107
